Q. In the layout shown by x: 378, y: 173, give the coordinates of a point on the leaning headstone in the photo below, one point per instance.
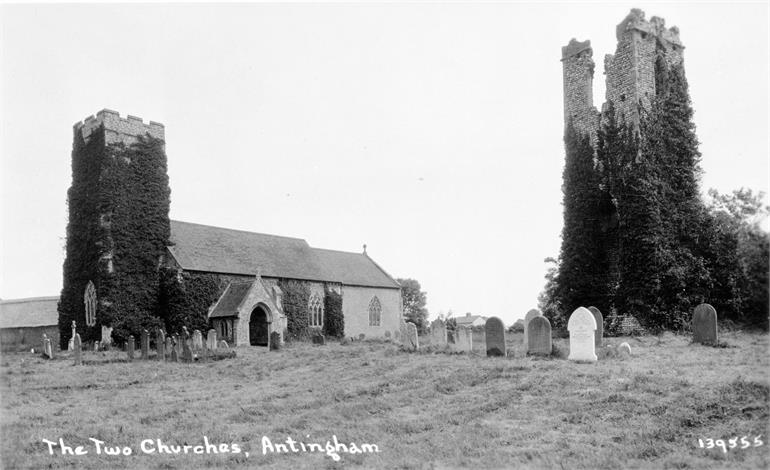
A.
x: 130, y: 348
x: 527, y: 318
x: 160, y: 345
x: 704, y: 325
x: 145, y: 345
x: 463, y: 339
x: 582, y: 328
x: 438, y: 333
x: 494, y: 334
x: 599, y: 336
x: 539, y: 337
x: 197, y: 341
x: 187, y: 355
x: 77, y: 345
x: 47, y: 347
x: 222, y: 344
x: 624, y: 349
x: 211, y: 339
x: 411, y: 342
x: 319, y: 339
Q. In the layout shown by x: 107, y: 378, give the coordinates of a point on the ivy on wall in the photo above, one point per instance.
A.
x: 296, y: 298
x: 334, y: 320
x: 185, y: 300
x: 117, y: 232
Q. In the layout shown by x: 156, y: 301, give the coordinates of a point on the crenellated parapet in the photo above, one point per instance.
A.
x: 118, y: 129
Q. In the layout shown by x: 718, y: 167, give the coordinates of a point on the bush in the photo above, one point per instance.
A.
x: 334, y: 320
x: 296, y: 298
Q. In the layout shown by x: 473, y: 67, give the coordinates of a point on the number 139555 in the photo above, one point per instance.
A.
x: 725, y: 444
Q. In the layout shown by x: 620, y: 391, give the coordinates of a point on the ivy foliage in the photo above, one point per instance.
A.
x: 184, y: 300
x: 334, y: 320
x: 296, y: 298
x: 117, y: 233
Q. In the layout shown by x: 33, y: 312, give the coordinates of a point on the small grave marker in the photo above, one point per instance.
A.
x: 494, y: 333
x: 599, y: 336
x: 160, y: 344
x: 412, y: 342
x: 438, y: 333
x: 319, y: 339
x: 539, y: 336
x: 582, y: 341
x: 130, y: 348
x: 275, y: 341
x: 704, y: 325
x: 527, y: 318
x: 145, y: 341
x: 77, y: 346
x: 222, y: 344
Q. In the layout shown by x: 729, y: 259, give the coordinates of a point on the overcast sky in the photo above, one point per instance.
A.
x: 432, y: 133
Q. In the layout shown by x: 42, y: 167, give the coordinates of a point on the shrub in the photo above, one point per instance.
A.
x: 334, y: 320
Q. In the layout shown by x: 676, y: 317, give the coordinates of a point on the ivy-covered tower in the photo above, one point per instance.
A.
x: 118, y: 227
x: 631, y: 200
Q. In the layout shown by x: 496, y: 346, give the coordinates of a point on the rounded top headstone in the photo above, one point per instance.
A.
x: 532, y: 314
x: 581, y: 318
x: 538, y: 321
x: 704, y: 309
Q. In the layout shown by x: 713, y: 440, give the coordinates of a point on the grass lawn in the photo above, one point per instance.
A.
x: 423, y: 409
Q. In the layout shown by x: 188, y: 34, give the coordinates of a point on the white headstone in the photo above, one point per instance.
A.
x: 438, y: 333
x: 582, y: 327
x: 463, y: 339
x: 529, y: 316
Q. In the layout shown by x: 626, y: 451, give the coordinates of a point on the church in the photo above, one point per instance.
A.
x: 120, y: 239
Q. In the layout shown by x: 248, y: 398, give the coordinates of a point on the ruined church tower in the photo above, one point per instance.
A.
x: 645, y: 50
x: 118, y: 225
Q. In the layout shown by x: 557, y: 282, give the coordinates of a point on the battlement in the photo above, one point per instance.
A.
x: 656, y: 27
x: 118, y: 129
x: 574, y: 48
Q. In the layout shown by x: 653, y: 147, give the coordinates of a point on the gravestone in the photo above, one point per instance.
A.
x: 187, y: 355
x: 77, y: 346
x: 539, y: 337
x: 169, y: 348
x: 275, y: 341
x: 47, y: 348
x: 71, y: 343
x: 624, y: 349
x: 582, y: 341
x: 463, y: 339
x: 361, y: 337
x: 178, y: 346
x: 106, y: 336
x: 402, y: 332
x: 319, y: 339
x: 211, y: 339
x: 494, y: 334
x: 438, y: 333
x: 173, y: 357
x: 160, y: 344
x: 599, y: 336
x: 145, y: 344
x: 96, y: 346
x: 204, y: 354
x: 397, y: 336
x: 222, y: 344
x: 704, y: 325
x: 197, y: 340
x: 527, y: 318
x: 130, y: 348
x: 411, y: 342
x: 387, y: 334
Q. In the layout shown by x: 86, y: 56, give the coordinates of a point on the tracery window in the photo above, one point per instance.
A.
x: 89, y: 299
x: 316, y: 310
x: 375, y: 312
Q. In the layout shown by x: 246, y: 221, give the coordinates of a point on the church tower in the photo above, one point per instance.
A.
x: 118, y: 227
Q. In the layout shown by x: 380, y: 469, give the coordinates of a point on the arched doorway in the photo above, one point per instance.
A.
x: 259, y: 333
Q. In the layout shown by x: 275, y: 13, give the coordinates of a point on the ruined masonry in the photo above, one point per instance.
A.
x: 630, y: 72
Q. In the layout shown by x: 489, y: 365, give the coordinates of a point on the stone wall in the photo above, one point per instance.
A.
x: 630, y: 72
x: 355, y: 308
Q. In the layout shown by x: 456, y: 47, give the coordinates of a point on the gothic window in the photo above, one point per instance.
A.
x: 89, y: 299
x: 316, y: 310
x: 375, y: 312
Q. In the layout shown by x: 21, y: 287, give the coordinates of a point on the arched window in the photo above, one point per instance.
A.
x: 375, y: 312
x: 316, y: 310
x: 89, y: 298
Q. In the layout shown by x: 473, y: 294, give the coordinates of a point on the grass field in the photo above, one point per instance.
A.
x: 421, y: 410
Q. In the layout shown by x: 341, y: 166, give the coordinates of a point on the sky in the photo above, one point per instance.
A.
x: 430, y: 132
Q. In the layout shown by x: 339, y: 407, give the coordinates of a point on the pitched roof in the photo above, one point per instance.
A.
x: 467, y: 319
x: 231, y: 299
x: 35, y: 311
x: 214, y: 249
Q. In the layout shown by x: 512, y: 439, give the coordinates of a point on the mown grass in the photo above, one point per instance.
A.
x: 423, y: 410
